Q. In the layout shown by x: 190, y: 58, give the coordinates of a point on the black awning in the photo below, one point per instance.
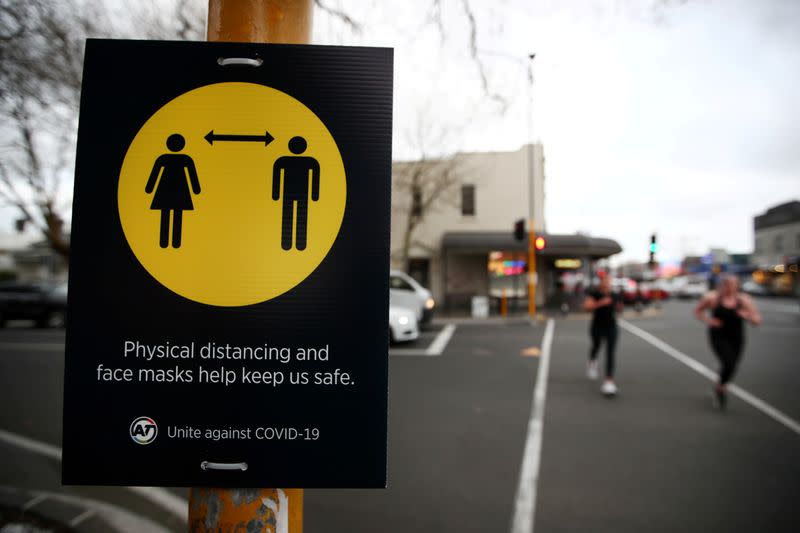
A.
x: 556, y: 245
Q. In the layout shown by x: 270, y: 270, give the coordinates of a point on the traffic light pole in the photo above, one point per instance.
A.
x: 531, y: 268
x: 223, y: 510
x: 532, y: 181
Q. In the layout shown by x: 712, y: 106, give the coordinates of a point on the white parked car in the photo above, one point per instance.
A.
x: 405, y: 291
x: 691, y: 288
x: 402, y: 324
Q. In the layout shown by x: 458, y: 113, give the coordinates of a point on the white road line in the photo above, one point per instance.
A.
x: 177, y: 506
x: 436, y: 347
x: 706, y: 372
x: 34, y: 501
x: 48, y: 450
x: 440, y: 342
x: 118, y: 519
x: 88, y: 513
x: 525, y: 504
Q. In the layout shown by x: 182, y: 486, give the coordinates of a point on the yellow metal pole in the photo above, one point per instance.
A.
x: 268, y: 510
x: 531, y: 270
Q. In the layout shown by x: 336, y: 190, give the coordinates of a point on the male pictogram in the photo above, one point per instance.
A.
x: 172, y: 193
x: 296, y: 170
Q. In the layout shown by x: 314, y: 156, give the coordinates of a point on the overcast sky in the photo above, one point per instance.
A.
x: 679, y: 118
x: 668, y: 117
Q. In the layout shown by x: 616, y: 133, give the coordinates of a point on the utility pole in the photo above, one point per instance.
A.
x: 531, y: 227
x: 228, y: 510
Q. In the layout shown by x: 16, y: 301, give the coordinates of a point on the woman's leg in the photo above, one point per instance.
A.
x: 727, y: 356
x: 731, y: 353
x: 177, y: 222
x: 595, y: 348
x: 164, y: 237
x: 611, y: 346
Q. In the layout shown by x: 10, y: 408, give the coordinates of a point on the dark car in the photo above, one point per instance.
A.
x: 44, y: 303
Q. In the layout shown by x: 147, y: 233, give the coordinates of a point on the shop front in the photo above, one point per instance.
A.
x: 494, y: 264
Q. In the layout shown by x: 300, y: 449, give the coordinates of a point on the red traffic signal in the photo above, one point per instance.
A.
x: 539, y: 243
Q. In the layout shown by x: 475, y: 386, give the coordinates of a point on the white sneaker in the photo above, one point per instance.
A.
x: 608, y: 388
x: 591, y: 370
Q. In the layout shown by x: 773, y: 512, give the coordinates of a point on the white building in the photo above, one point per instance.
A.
x: 464, y: 209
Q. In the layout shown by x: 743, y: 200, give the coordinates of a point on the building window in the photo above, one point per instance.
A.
x: 468, y: 200
x: 779, y: 243
x: 416, y: 202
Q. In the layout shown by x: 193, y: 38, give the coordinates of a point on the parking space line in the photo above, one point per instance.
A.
x: 706, y: 372
x: 36, y: 500
x: 41, y: 448
x: 525, y: 502
x: 88, y: 513
x: 434, y: 349
x: 440, y: 342
x: 176, y: 505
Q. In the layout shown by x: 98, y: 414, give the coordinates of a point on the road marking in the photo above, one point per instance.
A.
x: 117, y: 518
x: 440, y: 342
x: 88, y: 513
x: 436, y: 347
x: 48, y: 450
x: 706, y: 372
x: 533, y: 351
x: 525, y: 504
x: 176, y: 505
x: 34, y: 501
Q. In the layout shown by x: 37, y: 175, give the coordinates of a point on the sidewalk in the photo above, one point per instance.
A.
x: 541, y: 316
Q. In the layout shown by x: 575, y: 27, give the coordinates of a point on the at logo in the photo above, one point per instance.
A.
x: 144, y: 430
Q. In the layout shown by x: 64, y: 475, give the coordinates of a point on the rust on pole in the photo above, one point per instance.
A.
x: 234, y: 510
x: 257, y: 510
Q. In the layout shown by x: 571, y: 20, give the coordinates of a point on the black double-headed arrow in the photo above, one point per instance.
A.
x: 266, y: 138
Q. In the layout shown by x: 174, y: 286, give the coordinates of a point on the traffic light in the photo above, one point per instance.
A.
x: 539, y: 243
x: 519, y: 229
x: 653, y: 249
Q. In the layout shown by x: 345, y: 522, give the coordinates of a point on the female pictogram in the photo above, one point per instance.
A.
x: 172, y: 192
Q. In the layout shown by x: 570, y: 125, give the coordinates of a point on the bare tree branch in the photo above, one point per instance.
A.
x: 341, y: 15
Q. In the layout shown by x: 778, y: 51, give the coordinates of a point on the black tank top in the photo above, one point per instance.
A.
x: 732, y: 323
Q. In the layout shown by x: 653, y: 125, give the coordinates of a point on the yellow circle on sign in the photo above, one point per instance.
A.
x: 232, y: 194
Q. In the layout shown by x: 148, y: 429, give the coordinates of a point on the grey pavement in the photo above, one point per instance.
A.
x: 659, y: 457
x: 456, y: 431
x: 656, y: 458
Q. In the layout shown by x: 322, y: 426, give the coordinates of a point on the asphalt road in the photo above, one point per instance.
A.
x: 656, y: 458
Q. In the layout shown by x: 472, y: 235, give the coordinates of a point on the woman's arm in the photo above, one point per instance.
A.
x: 705, y: 303
x: 749, y: 311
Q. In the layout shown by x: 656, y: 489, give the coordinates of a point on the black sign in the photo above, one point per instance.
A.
x: 228, y: 292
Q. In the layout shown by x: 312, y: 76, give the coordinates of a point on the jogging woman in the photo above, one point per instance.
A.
x: 603, y: 304
x: 728, y: 310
